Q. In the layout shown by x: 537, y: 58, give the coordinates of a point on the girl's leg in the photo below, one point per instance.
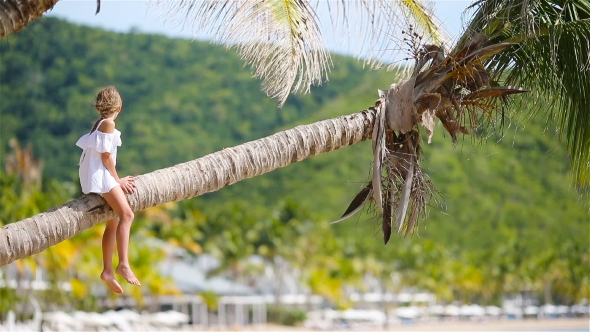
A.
x: 108, y: 248
x: 117, y: 200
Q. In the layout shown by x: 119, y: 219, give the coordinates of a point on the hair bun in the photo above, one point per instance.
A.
x: 108, y: 101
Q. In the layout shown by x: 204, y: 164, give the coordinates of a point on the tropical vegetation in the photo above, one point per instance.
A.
x: 507, y: 219
x: 456, y: 88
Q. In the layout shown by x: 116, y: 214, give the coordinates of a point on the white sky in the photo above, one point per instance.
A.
x: 121, y: 16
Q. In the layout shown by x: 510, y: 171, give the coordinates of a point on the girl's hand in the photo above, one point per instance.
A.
x: 127, y: 184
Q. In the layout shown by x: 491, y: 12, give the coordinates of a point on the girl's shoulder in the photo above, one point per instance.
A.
x: 100, y: 141
x: 103, y: 138
x: 107, y: 126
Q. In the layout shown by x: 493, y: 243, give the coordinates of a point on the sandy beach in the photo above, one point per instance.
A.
x: 562, y: 325
x: 504, y: 325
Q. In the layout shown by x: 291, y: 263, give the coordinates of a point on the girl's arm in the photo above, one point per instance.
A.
x: 126, y: 183
x: 109, y: 164
x: 108, y: 126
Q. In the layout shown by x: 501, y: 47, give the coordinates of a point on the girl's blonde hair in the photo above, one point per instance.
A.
x: 108, y: 101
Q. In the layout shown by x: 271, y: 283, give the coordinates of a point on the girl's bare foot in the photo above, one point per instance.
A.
x: 125, y: 272
x: 112, y: 283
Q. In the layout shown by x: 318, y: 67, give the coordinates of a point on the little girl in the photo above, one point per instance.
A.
x: 98, y: 175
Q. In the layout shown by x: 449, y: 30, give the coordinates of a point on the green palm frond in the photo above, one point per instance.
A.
x: 280, y: 39
x: 424, y: 20
x: 552, y: 57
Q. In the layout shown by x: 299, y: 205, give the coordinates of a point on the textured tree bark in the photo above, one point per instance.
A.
x: 16, y: 14
x: 209, y: 173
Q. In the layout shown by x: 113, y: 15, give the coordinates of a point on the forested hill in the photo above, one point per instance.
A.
x: 182, y: 99
x: 185, y: 99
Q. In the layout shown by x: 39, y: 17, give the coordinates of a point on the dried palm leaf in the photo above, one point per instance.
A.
x: 378, y: 154
x: 357, y: 203
x: 387, y: 211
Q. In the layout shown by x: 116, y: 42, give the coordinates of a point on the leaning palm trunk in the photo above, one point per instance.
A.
x: 207, y: 174
x: 16, y: 14
x: 454, y: 88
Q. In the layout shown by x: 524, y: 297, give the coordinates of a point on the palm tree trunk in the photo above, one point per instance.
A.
x: 207, y: 174
x: 16, y: 14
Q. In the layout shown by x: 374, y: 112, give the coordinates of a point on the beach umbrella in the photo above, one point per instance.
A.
x: 93, y: 319
x: 130, y: 316
x: 531, y: 310
x: 368, y: 315
x: 168, y: 318
x: 477, y: 310
x: 117, y: 319
x: 562, y: 310
x: 513, y: 311
x: 407, y: 312
x: 549, y: 309
x: 581, y: 309
x: 493, y: 310
x: 465, y: 310
x: 437, y: 310
x: 452, y: 310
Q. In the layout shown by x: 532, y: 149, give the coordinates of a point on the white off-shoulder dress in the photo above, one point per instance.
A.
x: 94, y: 177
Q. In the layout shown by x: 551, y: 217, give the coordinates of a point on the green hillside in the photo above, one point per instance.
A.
x: 181, y: 99
x: 185, y: 99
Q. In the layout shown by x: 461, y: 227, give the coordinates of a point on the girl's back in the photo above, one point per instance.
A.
x: 94, y: 177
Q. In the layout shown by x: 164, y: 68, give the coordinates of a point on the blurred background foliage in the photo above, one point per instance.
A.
x: 506, y: 220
